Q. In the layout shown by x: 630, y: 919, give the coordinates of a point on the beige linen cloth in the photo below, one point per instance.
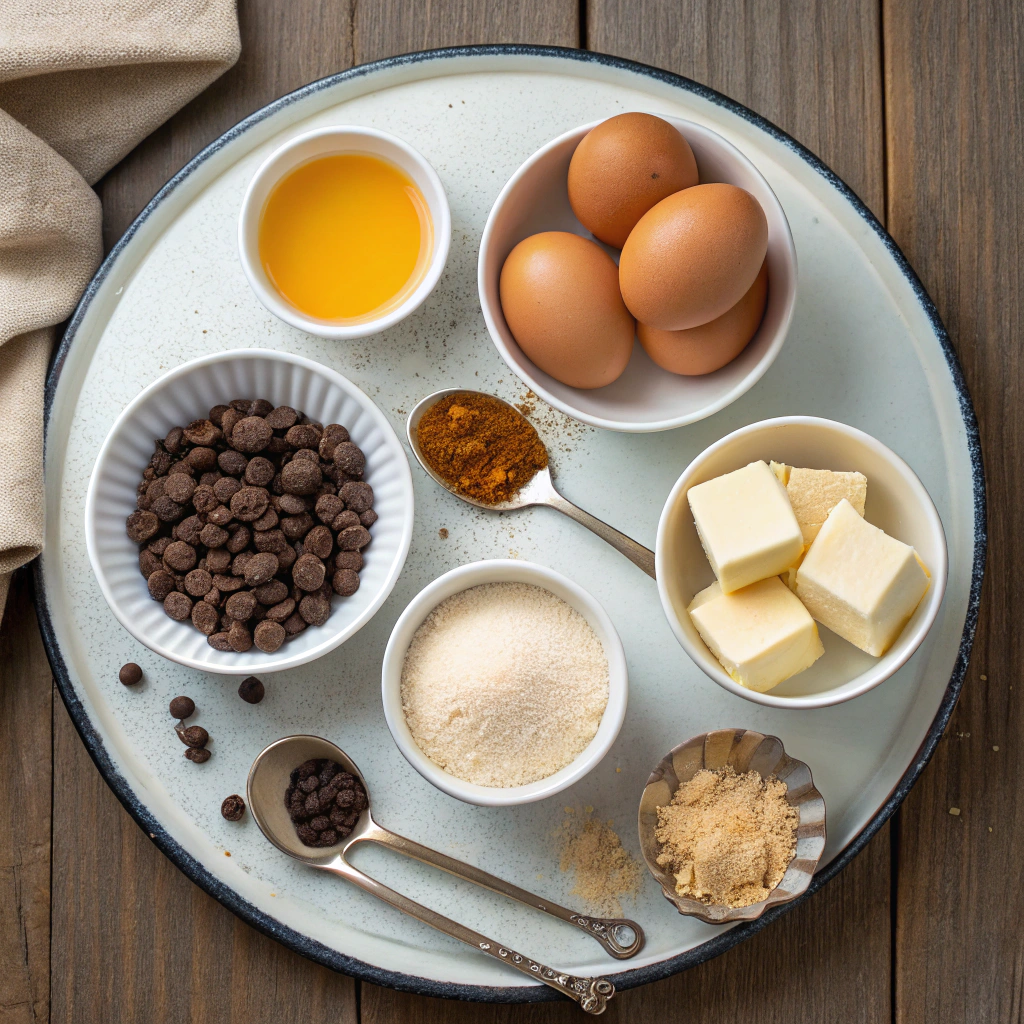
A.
x: 82, y: 82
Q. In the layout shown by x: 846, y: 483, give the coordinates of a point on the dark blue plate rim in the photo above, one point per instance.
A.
x: 322, y: 954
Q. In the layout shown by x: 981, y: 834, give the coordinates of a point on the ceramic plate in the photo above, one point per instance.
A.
x: 866, y: 347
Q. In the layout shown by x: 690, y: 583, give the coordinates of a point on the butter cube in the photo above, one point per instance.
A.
x: 746, y: 525
x: 813, y: 493
x: 761, y: 634
x: 860, y: 582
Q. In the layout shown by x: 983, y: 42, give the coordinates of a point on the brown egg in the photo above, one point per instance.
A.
x: 693, y: 256
x: 710, y: 346
x: 622, y: 168
x: 560, y: 296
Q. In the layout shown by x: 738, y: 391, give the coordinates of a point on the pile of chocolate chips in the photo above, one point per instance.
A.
x: 324, y: 801
x: 250, y: 520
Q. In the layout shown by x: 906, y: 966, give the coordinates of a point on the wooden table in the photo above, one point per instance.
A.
x: 917, y: 104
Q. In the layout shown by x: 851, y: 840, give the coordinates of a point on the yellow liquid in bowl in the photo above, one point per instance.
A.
x: 345, y: 237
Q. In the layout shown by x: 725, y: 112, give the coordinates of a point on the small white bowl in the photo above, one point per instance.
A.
x: 897, y: 503
x: 645, y: 398
x: 327, y: 142
x: 503, y: 571
x: 189, y: 392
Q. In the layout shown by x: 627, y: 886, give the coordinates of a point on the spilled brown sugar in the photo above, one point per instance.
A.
x: 605, y: 872
x: 728, y: 837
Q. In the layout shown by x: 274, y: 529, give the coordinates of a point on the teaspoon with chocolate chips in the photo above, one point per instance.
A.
x: 266, y: 786
x: 538, y: 490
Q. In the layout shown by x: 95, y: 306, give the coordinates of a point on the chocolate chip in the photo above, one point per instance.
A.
x: 166, y: 509
x: 220, y: 515
x: 319, y: 541
x: 239, y: 637
x: 368, y: 518
x: 348, y: 560
x: 226, y: 488
x: 232, y: 462
x: 296, y: 527
x: 213, y: 536
x: 216, y: 415
x: 205, y: 617
x: 239, y: 540
x: 177, y: 606
x: 250, y: 503
x: 269, y: 635
x: 251, y: 690
x: 347, y: 457
x: 303, y: 435
x: 202, y: 460
x: 149, y: 563
x: 217, y: 561
x: 294, y: 624
x: 353, y: 538
x: 233, y: 808
x: 270, y: 540
x: 345, y: 582
x: 198, y: 583
x: 183, y: 707
x: 180, y: 557
x: 259, y: 472
x: 193, y: 736
x: 343, y: 520
x: 308, y: 572
x: 315, y: 610
x: 202, y: 432
x: 261, y: 568
x: 301, y: 476
x: 294, y: 504
x: 203, y: 498
x: 239, y: 562
x: 189, y: 530
x: 172, y: 442
x: 357, y: 495
x: 179, y: 487
x: 197, y: 754
x: 241, y: 605
x: 251, y: 434
x: 219, y: 641
x: 282, y: 610
x: 228, y: 584
x: 283, y: 417
x: 328, y: 507
x: 130, y: 674
x: 161, y: 584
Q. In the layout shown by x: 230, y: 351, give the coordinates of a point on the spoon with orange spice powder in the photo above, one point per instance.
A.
x: 486, y: 452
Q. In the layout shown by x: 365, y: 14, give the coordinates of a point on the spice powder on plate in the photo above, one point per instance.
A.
x: 480, y: 446
x: 728, y: 837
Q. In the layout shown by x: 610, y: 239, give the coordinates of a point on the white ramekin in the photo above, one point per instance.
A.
x: 645, y: 398
x: 326, y: 142
x: 503, y: 571
x: 897, y: 503
x: 189, y: 392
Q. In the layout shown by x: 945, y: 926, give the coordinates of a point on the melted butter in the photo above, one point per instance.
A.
x: 345, y: 237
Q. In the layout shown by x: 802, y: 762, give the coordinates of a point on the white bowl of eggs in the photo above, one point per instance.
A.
x: 638, y: 228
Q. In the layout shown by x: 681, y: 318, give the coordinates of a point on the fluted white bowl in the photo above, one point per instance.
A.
x: 189, y: 392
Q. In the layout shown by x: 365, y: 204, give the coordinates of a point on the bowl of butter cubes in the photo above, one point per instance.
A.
x: 800, y: 562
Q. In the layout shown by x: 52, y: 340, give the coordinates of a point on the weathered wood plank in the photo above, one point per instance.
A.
x: 135, y: 940
x: 386, y: 27
x: 25, y: 749
x: 955, y: 104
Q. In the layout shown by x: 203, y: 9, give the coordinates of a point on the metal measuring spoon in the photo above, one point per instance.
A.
x: 269, y: 778
x: 538, y: 491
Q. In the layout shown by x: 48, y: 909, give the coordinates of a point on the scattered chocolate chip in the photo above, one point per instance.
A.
x: 269, y: 635
x: 178, y: 606
x: 349, y: 458
x: 251, y: 690
x: 180, y: 557
x: 130, y: 674
x: 193, y: 736
x: 197, y: 754
x: 251, y: 434
x: 205, y: 617
x: 353, y: 538
x: 183, y: 707
x: 357, y: 495
x: 282, y: 418
x: 345, y: 582
x: 233, y: 808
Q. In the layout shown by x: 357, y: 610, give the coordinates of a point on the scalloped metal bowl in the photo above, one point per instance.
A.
x: 742, y: 749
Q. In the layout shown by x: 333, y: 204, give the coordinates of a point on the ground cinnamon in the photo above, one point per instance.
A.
x: 480, y: 447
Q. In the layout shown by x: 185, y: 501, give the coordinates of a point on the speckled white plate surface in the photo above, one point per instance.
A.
x: 865, y: 348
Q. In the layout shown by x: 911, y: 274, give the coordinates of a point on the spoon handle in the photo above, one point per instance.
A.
x: 608, y: 931
x: 636, y: 553
x: 591, y: 993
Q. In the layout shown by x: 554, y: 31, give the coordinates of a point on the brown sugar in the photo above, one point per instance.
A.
x: 605, y: 872
x: 727, y: 837
x: 480, y: 446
